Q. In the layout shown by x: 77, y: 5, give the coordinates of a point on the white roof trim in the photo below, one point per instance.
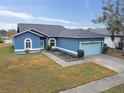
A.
x: 66, y: 50
x: 25, y: 32
x: 39, y: 32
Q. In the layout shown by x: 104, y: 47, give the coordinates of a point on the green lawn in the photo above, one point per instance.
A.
x: 117, y: 89
x: 36, y: 73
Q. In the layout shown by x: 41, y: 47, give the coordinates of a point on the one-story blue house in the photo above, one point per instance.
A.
x: 36, y: 37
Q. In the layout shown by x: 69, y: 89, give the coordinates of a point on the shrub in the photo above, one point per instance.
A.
x: 12, y: 48
x: 1, y: 40
x: 80, y: 53
x: 120, y: 46
x: 27, y: 51
x: 105, y: 49
x: 49, y: 48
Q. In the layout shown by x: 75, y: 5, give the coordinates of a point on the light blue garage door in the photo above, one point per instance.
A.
x: 91, y: 48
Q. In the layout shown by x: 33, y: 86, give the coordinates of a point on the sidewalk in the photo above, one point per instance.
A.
x: 56, y: 59
x: 99, y: 85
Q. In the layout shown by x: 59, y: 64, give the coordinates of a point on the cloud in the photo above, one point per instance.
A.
x: 30, y: 17
x: 15, y: 14
x: 6, y: 26
x: 56, y: 20
x: 1, y: 7
x: 87, y: 3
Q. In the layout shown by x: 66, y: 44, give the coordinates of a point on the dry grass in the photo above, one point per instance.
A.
x: 115, y: 53
x: 117, y: 89
x: 36, y: 73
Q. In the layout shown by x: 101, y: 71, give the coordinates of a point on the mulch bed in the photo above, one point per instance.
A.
x: 65, y: 56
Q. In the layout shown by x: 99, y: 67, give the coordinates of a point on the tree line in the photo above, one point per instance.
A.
x: 7, y: 33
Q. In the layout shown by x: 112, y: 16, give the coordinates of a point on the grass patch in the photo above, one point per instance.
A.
x: 36, y: 73
x: 117, y: 89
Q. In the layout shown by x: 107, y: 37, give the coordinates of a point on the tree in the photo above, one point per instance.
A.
x: 112, y: 17
x: 3, y: 32
x: 11, y: 32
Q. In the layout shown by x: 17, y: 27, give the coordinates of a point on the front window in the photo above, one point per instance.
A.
x: 28, y: 44
x: 52, y: 42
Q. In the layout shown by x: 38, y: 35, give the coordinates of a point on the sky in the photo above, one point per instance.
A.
x: 69, y: 13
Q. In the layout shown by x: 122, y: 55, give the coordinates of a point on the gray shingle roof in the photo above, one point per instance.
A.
x: 51, y: 30
x: 79, y: 33
x: 59, y: 31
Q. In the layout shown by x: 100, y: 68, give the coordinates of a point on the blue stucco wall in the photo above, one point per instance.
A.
x: 67, y: 43
x: 19, y: 40
x: 72, y: 44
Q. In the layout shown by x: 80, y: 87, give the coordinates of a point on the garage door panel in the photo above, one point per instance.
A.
x: 91, y: 48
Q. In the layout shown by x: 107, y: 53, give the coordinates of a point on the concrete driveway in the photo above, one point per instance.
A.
x: 110, y: 62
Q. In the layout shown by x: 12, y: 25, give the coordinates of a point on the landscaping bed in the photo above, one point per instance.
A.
x: 115, y: 53
x: 36, y: 73
x: 65, y: 56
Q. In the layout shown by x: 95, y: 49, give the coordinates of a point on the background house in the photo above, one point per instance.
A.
x: 6, y: 39
x: 107, y: 37
x: 6, y: 35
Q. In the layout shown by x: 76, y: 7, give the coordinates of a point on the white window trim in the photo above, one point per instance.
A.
x: 25, y: 44
x: 50, y: 40
x: 43, y: 44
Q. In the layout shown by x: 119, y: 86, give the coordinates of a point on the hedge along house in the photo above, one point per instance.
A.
x: 36, y: 37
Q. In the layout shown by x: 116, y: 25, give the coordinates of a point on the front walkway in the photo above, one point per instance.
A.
x: 98, y: 86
